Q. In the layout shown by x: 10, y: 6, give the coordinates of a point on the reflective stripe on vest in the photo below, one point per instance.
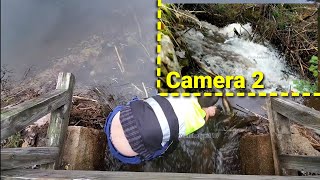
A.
x: 186, y: 110
x: 189, y: 113
x: 161, y: 118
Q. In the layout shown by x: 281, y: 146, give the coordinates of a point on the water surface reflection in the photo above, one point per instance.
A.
x: 80, y: 36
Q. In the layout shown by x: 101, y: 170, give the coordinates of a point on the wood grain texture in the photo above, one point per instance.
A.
x: 305, y: 163
x: 283, y: 133
x: 297, y: 112
x: 60, y: 117
x: 64, y: 174
x: 280, y: 112
x: 25, y: 157
x: 16, y: 118
x: 273, y: 137
x: 284, y: 140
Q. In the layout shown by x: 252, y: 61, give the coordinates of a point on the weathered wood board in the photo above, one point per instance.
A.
x: 273, y: 138
x: 60, y: 117
x: 26, y: 157
x: 65, y: 174
x: 297, y: 112
x: 305, y: 163
x: 18, y: 117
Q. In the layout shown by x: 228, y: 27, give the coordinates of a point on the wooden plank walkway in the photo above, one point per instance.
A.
x: 64, y: 174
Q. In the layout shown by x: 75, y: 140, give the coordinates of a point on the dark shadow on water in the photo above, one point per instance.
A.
x: 211, y: 149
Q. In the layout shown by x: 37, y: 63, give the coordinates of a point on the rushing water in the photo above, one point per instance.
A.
x: 224, y: 53
x: 215, y: 147
x: 212, y: 149
x: 88, y: 38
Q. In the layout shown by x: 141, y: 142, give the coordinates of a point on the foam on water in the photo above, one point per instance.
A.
x: 244, y: 30
x: 264, y: 59
x: 239, y: 56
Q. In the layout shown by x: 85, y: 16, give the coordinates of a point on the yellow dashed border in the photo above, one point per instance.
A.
x: 316, y: 94
x: 159, y: 37
x: 284, y: 94
x: 158, y: 72
x: 158, y: 83
x: 229, y: 94
x: 273, y: 94
x: 306, y: 94
x: 159, y: 25
x: 242, y: 94
x: 262, y: 94
x: 158, y: 49
x: 158, y: 60
x: 159, y: 14
x: 219, y: 94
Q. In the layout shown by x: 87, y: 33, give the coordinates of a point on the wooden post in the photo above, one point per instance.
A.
x: 60, y: 117
x: 273, y: 138
x: 283, y: 133
x: 16, y: 118
x: 280, y: 137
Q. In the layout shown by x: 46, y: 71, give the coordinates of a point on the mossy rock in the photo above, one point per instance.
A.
x: 169, y: 63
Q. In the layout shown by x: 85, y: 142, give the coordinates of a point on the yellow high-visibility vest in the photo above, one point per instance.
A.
x: 189, y: 112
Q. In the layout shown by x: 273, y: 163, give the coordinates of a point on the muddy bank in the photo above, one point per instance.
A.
x: 112, y: 45
x: 213, y: 149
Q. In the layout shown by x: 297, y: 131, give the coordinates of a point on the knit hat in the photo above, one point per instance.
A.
x: 132, y: 133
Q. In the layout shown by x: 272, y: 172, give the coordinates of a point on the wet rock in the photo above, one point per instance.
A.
x: 84, y: 149
x: 169, y: 63
x: 256, y: 155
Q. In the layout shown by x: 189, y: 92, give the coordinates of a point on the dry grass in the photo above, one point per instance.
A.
x: 290, y: 28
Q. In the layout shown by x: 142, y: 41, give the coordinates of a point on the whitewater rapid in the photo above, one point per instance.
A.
x: 226, y: 53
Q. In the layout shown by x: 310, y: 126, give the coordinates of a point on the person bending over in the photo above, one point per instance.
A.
x: 144, y: 129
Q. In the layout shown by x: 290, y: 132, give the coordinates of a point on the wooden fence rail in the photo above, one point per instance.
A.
x: 26, y: 157
x: 74, y: 174
x: 307, y: 163
x: 16, y: 118
x: 280, y: 112
x: 58, y: 103
x: 297, y: 112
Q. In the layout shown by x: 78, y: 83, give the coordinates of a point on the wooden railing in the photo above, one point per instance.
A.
x: 58, y: 103
x: 16, y: 118
x: 280, y: 113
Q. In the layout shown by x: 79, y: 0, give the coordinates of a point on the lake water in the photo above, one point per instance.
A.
x: 109, y: 43
x: 87, y: 38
